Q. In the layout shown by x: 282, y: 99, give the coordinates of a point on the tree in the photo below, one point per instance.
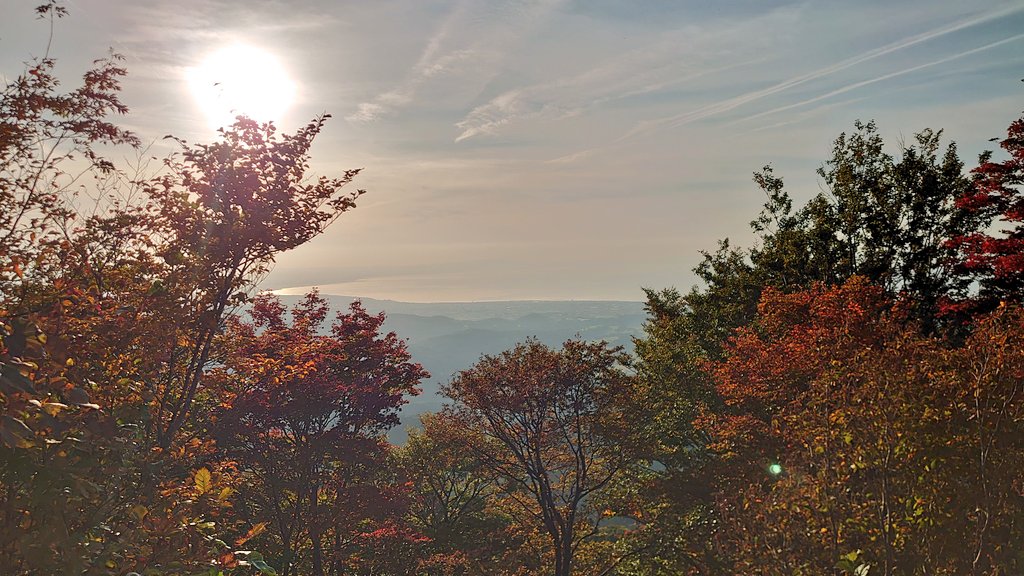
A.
x: 893, y: 218
x: 984, y: 383
x: 114, y: 281
x: 674, y: 388
x: 881, y: 217
x: 884, y: 218
x: 60, y: 458
x: 50, y: 143
x: 451, y: 493
x: 549, y: 420
x: 225, y: 211
x: 820, y: 388
x: 992, y: 257
x: 304, y: 413
x: 849, y: 439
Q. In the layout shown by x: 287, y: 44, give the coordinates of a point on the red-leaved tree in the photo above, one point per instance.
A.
x: 994, y: 255
x: 304, y: 414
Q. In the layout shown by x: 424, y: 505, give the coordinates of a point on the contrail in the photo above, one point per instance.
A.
x: 856, y: 85
x: 732, y: 103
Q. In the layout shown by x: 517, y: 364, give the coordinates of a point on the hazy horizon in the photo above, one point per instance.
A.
x: 328, y: 291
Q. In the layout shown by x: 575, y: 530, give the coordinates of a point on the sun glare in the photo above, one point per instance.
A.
x: 241, y: 79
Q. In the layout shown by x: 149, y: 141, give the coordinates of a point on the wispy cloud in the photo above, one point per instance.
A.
x: 471, y: 35
x: 575, y: 95
x: 753, y: 96
x: 148, y: 24
x: 883, y: 77
x: 665, y: 62
x: 802, y: 116
x: 645, y: 127
x: 429, y: 66
x: 574, y: 157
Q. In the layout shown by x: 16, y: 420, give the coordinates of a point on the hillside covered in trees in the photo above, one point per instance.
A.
x: 844, y: 396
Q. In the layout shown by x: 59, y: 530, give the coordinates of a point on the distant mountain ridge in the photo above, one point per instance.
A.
x: 446, y: 337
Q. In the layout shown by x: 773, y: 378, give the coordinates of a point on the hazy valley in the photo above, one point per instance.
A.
x: 446, y: 337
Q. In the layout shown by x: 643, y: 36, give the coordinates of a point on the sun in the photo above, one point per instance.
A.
x: 241, y: 80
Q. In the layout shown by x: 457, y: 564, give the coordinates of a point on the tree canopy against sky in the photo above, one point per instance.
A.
x: 549, y: 425
x: 993, y: 255
x: 831, y: 401
x: 304, y: 413
x: 114, y: 284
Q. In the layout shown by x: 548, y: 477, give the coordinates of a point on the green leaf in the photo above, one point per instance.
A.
x: 263, y: 567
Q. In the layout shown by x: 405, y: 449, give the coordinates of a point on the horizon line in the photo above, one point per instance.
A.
x: 302, y: 290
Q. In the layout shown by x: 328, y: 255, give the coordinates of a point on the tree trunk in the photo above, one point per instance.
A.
x: 563, y: 552
x: 314, y: 531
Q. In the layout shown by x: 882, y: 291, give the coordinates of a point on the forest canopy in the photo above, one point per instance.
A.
x: 843, y: 397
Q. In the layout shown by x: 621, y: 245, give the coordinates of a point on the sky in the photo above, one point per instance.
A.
x: 554, y: 149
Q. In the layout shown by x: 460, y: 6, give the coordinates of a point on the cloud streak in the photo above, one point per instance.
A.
x: 669, y: 61
x: 717, y: 108
x: 646, y: 127
x: 573, y: 96
x: 447, y: 53
x: 883, y: 77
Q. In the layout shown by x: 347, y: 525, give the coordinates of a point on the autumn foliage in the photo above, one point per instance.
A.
x: 993, y: 255
x: 303, y: 413
x: 845, y: 397
x: 549, y: 424
x: 816, y: 421
x: 845, y: 434
x: 115, y: 282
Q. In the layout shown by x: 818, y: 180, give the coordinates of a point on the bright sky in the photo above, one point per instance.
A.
x: 542, y: 149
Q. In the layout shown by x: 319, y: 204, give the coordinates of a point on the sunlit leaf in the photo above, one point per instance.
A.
x: 203, y: 481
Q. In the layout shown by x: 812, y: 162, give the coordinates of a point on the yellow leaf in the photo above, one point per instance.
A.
x: 52, y: 408
x: 139, y: 511
x: 203, y: 482
x: 252, y: 533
